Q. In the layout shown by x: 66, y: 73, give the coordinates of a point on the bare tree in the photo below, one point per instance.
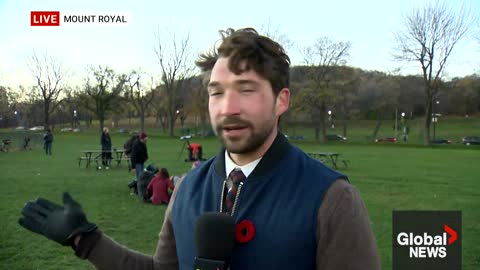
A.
x: 274, y: 33
x: 139, y: 95
x: 160, y: 108
x: 100, y: 98
x: 32, y: 105
x: 175, y: 58
x: 49, y: 74
x: 322, y: 58
x: 379, y: 93
x: 199, y: 105
x: 8, y: 102
x: 428, y: 37
x: 464, y: 96
x: 346, y: 87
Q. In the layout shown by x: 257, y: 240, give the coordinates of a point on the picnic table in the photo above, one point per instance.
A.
x: 90, y: 156
x: 331, y: 157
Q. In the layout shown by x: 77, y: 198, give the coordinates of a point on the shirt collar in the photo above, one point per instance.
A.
x: 247, y: 169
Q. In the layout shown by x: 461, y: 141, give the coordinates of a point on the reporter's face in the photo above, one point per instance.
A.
x: 243, y: 110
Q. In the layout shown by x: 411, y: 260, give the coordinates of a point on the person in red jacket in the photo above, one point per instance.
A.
x: 157, y: 189
x: 194, y: 151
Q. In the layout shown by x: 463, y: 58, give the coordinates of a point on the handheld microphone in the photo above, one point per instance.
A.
x: 214, y: 239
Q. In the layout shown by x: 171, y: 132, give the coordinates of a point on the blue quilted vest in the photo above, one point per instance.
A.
x: 281, y: 197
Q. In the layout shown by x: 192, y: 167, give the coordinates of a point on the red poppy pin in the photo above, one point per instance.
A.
x: 244, y: 231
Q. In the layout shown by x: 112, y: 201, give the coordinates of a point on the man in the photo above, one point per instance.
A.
x: 305, y: 215
x: 47, y: 142
x: 139, y: 154
x: 106, y: 143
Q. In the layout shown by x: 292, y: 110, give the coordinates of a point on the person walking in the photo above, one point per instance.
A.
x: 47, y: 142
x: 139, y: 154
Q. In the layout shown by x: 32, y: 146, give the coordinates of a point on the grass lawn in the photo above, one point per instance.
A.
x: 389, y: 177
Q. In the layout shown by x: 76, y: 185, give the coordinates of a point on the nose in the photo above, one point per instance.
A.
x: 230, y: 104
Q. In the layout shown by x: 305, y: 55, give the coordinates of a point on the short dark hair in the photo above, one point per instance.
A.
x: 265, y: 56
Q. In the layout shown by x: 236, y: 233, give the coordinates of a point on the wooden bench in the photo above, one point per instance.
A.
x: 117, y: 160
x: 329, y: 157
x: 88, y: 160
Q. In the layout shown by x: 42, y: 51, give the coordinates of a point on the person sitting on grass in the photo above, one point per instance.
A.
x: 160, y: 188
x: 194, y: 151
x: 145, y: 178
x: 139, y: 187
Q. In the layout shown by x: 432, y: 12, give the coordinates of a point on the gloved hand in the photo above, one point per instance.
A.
x: 60, y: 224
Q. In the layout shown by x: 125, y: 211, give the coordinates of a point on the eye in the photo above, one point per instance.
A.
x: 216, y: 93
x: 248, y: 90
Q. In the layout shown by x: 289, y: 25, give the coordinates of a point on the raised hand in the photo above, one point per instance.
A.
x: 58, y: 223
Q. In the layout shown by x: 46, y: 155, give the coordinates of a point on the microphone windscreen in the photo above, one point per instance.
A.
x: 215, y: 236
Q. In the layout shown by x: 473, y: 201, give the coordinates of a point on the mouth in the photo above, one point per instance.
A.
x: 234, y: 130
x: 233, y: 127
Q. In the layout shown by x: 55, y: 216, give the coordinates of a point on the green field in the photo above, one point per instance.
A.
x: 389, y: 177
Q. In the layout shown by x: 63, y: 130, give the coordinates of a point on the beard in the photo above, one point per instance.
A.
x: 246, y: 144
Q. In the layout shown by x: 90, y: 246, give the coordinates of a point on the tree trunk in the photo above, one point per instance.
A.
x: 115, y: 121
x: 428, y: 120
x: 316, y: 123
x: 142, y: 119
x: 102, y: 121
x: 203, y: 123
x: 182, y: 121
x: 346, y: 118
x: 46, y: 115
x: 317, y: 133
x: 129, y: 120
x: 377, y: 126
x: 323, y: 120
x: 171, y: 123
x: 163, y: 121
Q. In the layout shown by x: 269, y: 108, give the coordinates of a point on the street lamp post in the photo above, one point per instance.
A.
x: 16, y: 118
x: 330, y: 118
x: 435, y: 118
x: 404, y: 127
x: 74, y: 118
x: 396, y: 123
x: 61, y: 115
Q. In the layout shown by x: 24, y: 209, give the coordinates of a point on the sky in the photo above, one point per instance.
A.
x: 369, y: 25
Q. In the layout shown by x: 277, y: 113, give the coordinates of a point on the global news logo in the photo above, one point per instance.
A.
x: 426, y: 240
x: 426, y: 245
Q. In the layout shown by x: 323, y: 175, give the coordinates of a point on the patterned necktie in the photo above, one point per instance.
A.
x: 236, y: 176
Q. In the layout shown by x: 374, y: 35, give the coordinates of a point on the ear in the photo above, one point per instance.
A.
x: 283, y: 99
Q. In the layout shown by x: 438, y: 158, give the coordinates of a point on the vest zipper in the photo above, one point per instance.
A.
x: 223, y: 193
x: 236, y: 198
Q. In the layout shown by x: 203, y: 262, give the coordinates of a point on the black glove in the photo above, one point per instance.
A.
x: 60, y: 224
